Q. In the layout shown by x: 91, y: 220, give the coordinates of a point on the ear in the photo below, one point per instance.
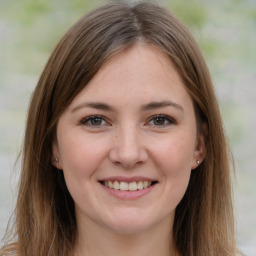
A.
x: 56, y: 160
x: 199, y: 153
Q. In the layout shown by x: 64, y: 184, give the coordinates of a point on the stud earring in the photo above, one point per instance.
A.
x: 56, y: 159
x: 197, y: 161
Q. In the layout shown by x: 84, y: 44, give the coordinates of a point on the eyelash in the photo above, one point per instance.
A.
x: 87, y: 120
x: 165, y: 118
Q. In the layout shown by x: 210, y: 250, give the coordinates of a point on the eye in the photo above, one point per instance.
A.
x: 94, y: 121
x: 161, y: 120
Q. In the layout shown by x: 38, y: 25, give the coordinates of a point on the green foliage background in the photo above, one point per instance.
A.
x: 226, y: 33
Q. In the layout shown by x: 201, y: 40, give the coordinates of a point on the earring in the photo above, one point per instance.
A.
x: 197, y: 161
x: 56, y: 159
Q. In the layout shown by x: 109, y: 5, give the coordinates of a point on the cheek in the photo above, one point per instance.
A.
x: 80, y: 156
x: 175, y: 159
x: 175, y: 154
x: 80, y: 160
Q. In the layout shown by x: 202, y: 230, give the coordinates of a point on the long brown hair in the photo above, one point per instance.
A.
x: 44, y: 222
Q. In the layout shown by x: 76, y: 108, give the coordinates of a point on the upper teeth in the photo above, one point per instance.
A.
x: 131, y: 186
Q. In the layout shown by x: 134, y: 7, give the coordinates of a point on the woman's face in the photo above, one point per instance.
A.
x: 128, y: 142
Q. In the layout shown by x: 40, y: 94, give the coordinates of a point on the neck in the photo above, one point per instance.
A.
x: 98, y: 241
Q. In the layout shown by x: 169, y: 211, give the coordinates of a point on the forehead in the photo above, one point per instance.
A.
x: 140, y: 73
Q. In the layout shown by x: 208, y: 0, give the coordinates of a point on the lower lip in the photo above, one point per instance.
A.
x: 126, y: 194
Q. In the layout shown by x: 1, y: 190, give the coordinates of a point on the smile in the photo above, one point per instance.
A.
x: 127, y: 186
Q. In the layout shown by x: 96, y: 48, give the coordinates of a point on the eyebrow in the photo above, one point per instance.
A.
x: 145, y: 107
x: 96, y: 105
x: 161, y: 104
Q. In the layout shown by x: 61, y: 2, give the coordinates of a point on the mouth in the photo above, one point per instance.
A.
x: 128, y: 186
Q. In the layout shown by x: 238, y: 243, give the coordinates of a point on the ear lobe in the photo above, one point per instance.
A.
x: 199, y: 153
x: 56, y: 161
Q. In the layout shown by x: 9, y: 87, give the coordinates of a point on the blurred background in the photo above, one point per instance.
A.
x: 226, y: 33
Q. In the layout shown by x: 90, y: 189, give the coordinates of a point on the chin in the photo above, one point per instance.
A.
x: 129, y: 228
x: 130, y: 223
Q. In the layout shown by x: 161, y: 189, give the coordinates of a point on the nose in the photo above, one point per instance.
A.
x: 128, y: 149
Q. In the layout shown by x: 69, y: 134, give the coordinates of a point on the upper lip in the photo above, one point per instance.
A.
x: 128, y: 179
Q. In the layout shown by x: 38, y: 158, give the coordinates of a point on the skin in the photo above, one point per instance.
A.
x: 126, y: 139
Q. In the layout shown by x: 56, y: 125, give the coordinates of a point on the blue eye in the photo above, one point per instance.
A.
x: 93, y: 121
x: 161, y: 120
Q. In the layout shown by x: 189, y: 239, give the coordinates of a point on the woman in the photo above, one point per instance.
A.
x: 124, y: 151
